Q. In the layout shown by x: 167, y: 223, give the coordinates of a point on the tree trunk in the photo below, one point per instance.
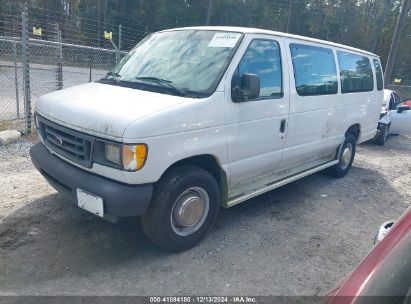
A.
x: 395, y: 41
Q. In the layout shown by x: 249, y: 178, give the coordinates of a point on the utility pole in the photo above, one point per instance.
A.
x: 98, y: 23
x: 395, y: 41
x: 289, y: 15
x: 208, y: 16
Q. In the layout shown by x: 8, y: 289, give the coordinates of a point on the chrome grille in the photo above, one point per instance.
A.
x: 73, y: 145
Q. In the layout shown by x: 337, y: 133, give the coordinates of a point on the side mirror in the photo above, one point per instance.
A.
x: 403, y: 108
x: 250, y: 88
x: 382, y: 232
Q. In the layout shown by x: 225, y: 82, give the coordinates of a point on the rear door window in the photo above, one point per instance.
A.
x: 355, y: 73
x: 378, y: 74
x: 314, y: 70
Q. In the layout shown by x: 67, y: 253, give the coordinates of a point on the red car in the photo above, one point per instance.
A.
x: 407, y: 103
x: 384, y: 275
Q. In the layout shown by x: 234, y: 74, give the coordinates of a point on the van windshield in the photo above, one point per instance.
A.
x: 181, y: 62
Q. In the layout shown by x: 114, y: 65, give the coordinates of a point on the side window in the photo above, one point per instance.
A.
x: 397, y: 98
x: 397, y: 101
x: 262, y: 58
x: 392, y: 102
x: 356, y: 73
x: 378, y: 74
x: 314, y: 70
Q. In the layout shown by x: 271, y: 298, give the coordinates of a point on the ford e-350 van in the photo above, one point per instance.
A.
x: 193, y: 119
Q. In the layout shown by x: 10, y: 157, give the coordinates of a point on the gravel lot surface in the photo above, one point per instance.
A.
x: 300, y: 239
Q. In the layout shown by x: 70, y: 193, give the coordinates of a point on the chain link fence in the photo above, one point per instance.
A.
x: 11, y: 89
x: 403, y: 91
x: 30, y: 68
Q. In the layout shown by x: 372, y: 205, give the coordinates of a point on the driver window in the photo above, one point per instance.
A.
x: 262, y: 58
x: 397, y: 101
x: 392, y: 102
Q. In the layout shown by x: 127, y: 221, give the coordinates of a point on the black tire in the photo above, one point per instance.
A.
x: 343, y: 166
x: 382, y: 137
x: 157, y: 222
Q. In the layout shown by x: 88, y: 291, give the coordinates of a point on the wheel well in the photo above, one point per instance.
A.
x: 210, y: 164
x: 354, y: 130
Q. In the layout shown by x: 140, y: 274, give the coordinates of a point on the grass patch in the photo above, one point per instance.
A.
x: 6, y: 125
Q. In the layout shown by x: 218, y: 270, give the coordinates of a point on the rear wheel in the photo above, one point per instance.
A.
x: 382, y: 137
x: 184, y: 208
x: 345, y: 157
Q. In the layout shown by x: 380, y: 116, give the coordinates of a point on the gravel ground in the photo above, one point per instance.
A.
x: 300, y: 239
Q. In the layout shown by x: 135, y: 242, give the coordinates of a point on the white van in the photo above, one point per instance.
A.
x: 197, y: 118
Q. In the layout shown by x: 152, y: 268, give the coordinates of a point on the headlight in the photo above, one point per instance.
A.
x: 130, y: 157
x: 112, y: 153
x: 134, y: 157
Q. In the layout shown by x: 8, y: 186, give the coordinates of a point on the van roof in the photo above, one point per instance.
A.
x: 247, y: 30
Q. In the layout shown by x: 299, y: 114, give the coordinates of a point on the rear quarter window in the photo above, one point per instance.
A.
x: 378, y: 74
x: 314, y: 70
x: 355, y: 73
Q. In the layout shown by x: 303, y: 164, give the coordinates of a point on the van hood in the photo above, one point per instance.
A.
x: 102, y: 110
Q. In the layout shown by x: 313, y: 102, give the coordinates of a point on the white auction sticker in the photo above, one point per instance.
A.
x: 224, y: 40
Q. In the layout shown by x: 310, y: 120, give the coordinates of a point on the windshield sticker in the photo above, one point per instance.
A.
x: 227, y: 40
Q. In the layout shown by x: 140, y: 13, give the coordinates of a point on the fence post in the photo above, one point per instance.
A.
x: 26, y: 70
x: 119, y: 36
x: 119, y: 45
x: 16, y: 80
x: 90, y: 62
x: 60, y: 60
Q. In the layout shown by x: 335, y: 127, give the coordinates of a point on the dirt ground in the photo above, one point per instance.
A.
x: 300, y: 239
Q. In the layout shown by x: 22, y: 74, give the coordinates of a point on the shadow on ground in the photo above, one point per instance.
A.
x: 298, y: 239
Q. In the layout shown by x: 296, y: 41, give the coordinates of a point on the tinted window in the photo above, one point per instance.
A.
x: 356, y: 73
x: 378, y: 74
x: 263, y: 58
x: 397, y: 101
x: 314, y: 70
x: 397, y: 97
x: 392, y: 102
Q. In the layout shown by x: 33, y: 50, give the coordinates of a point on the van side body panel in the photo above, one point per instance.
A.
x: 316, y: 127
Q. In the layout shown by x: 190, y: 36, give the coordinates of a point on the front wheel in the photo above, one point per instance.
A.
x: 183, y: 210
x: 345, y: 157
x: 382, y: 137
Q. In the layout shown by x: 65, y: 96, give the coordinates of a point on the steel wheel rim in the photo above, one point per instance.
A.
x: 190, y: 211
x: 346, y: 156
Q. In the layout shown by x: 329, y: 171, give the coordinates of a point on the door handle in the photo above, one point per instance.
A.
x: 282, y: 125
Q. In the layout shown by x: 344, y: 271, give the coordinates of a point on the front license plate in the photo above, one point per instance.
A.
x: 90, y: 202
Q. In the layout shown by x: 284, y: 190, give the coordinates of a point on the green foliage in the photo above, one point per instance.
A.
x: 366, y: 24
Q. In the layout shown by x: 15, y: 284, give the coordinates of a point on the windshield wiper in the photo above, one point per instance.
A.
x: 115, y: 75
x: 162, y: 82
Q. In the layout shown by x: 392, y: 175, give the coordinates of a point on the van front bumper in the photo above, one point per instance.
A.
x: 120, y: 200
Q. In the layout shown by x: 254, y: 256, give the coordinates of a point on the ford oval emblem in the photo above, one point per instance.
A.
x: 59, y: 141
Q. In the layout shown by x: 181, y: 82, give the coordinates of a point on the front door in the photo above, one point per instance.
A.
x: 256, y: 128
x: 400, y: 119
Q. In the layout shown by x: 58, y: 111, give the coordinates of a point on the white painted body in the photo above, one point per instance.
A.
x: 399, y: 122
x: 244, y: 138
